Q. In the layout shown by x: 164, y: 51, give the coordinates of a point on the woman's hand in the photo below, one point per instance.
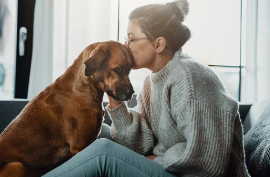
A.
x: 113, y: 103
x: 151, y: 157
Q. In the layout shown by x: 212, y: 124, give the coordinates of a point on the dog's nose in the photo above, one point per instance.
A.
x: 127, y: 90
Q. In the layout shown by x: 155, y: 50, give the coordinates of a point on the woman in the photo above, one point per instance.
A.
x: 185, y: 123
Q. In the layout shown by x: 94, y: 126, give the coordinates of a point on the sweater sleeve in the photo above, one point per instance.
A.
x: 130, y: 126
x: 208, y: 132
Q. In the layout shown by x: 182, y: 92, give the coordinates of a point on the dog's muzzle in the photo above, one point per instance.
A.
x: 125, y: 93
x: 122, y: 94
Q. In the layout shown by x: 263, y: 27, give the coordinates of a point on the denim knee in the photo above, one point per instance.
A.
x: 101, y: 146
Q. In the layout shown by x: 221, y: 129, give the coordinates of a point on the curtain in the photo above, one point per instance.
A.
x: 257, y: 83
x: 41, y: 65
x: 62, y: 29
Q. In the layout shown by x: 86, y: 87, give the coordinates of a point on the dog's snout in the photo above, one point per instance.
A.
x: 127, y: 90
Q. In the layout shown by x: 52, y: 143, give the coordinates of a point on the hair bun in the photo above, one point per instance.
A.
x: 183, y: 5
x: 180, y: 8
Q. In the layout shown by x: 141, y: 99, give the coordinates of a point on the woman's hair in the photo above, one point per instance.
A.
x: 164, y: 20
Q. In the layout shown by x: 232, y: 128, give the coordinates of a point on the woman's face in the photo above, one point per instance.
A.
x: 139, y: 45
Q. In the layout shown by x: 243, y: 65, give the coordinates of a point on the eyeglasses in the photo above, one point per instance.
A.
x: 130, y: 42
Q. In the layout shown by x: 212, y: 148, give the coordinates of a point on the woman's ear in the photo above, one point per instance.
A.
x: 160, y: 44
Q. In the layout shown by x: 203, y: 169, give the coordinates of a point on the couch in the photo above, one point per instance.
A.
x: 249, y: 113
x: 9, y: 109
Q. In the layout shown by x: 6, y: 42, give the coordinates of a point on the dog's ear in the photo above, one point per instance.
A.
x: 94, y: 62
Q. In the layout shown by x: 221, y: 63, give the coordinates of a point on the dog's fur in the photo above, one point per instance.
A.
x: 67, y: 116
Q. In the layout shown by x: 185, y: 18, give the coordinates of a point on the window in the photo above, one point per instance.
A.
x: 216, y: 26
x: 8, y: 28
x: 216, y: 39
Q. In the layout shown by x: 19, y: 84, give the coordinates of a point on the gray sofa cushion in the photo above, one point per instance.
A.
x: 9, y: 109
x: 254, y: 113
x: 257, y: 145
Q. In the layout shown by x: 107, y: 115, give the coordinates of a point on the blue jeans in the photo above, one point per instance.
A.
x: 106, y: 158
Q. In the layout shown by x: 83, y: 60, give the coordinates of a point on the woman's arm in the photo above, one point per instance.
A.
x: 130, y: 126
x: 208, y: 131
x: 113, y: 103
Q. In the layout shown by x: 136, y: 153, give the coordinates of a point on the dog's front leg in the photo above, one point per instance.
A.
x: 16, y: 169
x: 79, y: 142
x: 83, y: 135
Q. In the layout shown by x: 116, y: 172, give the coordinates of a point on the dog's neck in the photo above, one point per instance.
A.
x: 96, y: 91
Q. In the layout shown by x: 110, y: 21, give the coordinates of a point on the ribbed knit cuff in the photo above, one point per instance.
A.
x: 165, y: 162
x: 119, y: 115
x: 159, y: 160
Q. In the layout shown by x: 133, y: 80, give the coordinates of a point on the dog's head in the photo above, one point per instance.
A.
x: 109, y: 64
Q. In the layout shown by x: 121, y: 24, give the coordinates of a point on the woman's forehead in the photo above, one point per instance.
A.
x: 134, y: 29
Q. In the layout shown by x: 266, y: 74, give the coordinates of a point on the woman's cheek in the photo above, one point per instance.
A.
x: 136, y: 63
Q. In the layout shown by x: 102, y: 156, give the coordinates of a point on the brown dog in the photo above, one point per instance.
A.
x: 67, y: 116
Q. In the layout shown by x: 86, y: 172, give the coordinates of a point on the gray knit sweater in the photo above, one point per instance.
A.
x: 187, y: 119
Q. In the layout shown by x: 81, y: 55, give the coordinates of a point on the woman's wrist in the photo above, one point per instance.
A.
x: 113, y: 103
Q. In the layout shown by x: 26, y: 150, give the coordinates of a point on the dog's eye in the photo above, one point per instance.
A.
x: 118, y: 70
